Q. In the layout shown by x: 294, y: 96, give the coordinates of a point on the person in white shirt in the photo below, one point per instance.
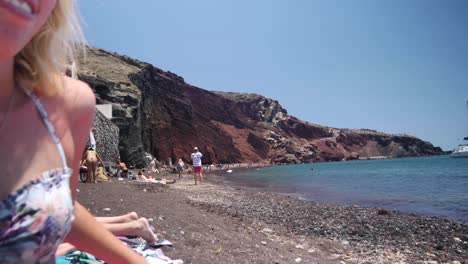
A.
x: 180, y: 168
x: 197, y: 165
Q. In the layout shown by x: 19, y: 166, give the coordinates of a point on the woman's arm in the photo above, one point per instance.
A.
x: 90, y: 236
x: 99, y: 159
x: 83, y: 157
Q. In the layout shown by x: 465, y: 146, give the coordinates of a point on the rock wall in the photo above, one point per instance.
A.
x: 159, y: 113
x: 106, y: 135
x: 107, y: 74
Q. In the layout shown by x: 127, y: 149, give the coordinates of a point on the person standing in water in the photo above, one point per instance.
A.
x: 197, y: 165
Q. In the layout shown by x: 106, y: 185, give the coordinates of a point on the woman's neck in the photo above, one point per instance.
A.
x: 7, y: 80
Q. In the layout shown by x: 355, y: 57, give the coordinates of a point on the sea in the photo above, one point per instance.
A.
x: 432, y: 186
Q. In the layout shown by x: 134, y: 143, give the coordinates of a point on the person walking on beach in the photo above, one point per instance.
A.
x: 180, y: 168
x: 90, y: 160
x: 197, y: 165
x: 45, y: 119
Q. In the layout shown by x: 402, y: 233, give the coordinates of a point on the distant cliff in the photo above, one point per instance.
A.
x: 159, y: 113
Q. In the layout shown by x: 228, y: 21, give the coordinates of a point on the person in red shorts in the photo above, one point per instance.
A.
x: 197, y: 165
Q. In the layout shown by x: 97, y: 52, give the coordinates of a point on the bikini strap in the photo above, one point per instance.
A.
x: 45, y: 118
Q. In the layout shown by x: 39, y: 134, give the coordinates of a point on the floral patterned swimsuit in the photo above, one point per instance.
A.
x: 35, y: 219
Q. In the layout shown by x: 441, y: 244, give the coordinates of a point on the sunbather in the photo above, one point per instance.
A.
x: 143, y: 178
x: 122, y: 167
x: 147, y: 176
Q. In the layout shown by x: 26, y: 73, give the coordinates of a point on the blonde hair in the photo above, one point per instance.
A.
x: 40, y: 66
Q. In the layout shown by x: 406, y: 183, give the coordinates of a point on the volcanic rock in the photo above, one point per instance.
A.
x: 159, y: 113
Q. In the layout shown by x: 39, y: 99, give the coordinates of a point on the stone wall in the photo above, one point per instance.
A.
x: 106, y: 135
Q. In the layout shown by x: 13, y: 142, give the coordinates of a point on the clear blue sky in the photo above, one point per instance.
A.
x: 396, y: 66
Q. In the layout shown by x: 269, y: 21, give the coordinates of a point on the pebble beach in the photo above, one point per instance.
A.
x: 219, y: 223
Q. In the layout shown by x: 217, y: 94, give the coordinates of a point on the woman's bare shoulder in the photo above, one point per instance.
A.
x: 78, y: 96
x: 77, y: 105
x: 79, y: 101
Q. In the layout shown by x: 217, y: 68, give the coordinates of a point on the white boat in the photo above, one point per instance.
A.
x: 461, y: 151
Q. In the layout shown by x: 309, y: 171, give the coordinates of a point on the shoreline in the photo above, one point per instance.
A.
x: 369, y: 229
x: 318, y: 192
x: 283, y: 228
x: 288, y: 190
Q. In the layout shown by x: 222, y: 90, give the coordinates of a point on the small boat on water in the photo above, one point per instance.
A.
x: 461, y: 151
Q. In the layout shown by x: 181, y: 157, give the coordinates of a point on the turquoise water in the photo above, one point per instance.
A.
x: 428, y: 185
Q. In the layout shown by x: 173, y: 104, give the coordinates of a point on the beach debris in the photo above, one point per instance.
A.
x: 120, y: 179
x: 263, y: 242
x: 144, y: 190
x: 150, y: 219
x: 219, y: 250
x: 182, y: 232
x: 457, y: 239
x: 229, y: 171
x: 383, y: 212
x: 300, y: 246
x: 77, y: 190
x: 161, y: 218
x: 298, y: 260
x: 106, y: 209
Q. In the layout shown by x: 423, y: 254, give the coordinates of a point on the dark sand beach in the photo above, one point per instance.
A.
x: 215, y: 223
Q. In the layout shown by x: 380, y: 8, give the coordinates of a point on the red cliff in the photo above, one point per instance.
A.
x: 159, y: 113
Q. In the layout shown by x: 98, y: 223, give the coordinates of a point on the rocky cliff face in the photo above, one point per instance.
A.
x: 159, y: 113
x: 106, y: 135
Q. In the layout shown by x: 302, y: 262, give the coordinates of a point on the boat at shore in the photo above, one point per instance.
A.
x: 461, y: 151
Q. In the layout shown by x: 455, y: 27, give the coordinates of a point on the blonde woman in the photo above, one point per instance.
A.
x: 45, y: 120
